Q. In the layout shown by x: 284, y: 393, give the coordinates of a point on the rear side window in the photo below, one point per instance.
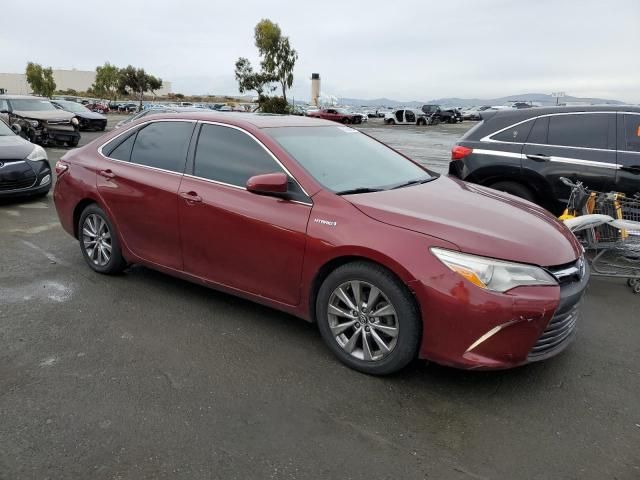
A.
x: 632, y: 133
x: 539, y: 131
x: 123, y: 150
x: 230, y: 156
x: 588, y: 131
x: 516, y: 134
x: 163, y: 145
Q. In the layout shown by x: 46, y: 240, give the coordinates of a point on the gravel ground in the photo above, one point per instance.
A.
x: 145, y: 376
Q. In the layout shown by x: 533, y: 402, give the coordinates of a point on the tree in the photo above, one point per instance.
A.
x: 278, y: 57
x: 248, y: 80
x: 137, y: 81
x: 40, y: 79
x: 107, y: 81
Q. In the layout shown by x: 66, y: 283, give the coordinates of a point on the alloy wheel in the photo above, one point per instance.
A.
x: 363, y: 321
x: 96, y: 239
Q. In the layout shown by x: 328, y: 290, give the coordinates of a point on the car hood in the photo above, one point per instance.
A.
x: 477, y: 219
x: 90, y: 115
x: 45, y: 114
x: 13, y: 147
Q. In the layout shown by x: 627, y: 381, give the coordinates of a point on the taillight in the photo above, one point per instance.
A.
x: 61, y: 167
x: 458, y: 152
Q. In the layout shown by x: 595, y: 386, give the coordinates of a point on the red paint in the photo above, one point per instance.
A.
x: 270, y: 250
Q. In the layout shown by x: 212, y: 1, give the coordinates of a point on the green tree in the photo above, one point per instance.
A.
x: 137, y: 81
x: 107, y: 81
x: 248, y: 80
x: 278, y: 57
x: 40, y: 79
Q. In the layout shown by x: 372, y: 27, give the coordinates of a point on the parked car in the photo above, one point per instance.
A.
x: 87, y: 119
x: 335, y: 114
x: 24, y: 167
x: 40, y: 121
x: 98, y: 107
x: 390, y: 260
x: 406, y: 116
x: 471, y: 113
x: 153, y: 111
x: 526, y: 152
x: 437, y: 114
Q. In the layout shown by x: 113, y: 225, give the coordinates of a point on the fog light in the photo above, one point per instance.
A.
x: 46, y: 179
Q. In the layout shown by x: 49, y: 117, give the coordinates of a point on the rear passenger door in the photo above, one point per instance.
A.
x: 579, y: 146
x: 628, y: 173
x: 138, y: 182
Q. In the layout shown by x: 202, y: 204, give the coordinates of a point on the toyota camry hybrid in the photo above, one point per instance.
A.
x: 392, y: 261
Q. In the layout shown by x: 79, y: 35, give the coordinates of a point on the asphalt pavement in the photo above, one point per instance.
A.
x: 144, y: 376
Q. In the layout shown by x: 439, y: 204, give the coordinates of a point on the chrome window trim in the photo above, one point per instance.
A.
x: 488, y: 139
x: 129, y: 129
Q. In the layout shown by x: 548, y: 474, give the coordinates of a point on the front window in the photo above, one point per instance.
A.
x: 31, y: 105
x: 343, y: 159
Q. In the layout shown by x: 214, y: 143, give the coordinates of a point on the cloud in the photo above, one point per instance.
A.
x: 407, y: 50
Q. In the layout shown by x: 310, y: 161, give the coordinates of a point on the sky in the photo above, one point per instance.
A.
x: 403, y: 49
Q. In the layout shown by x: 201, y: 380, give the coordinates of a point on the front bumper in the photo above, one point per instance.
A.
x: 467, y: 327
x: 21, y: 178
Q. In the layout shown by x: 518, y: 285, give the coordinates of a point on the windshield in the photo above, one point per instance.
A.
x: 5, y: 130
x: 72, y: 106
x: 343, y: 159
x: 31, y: 105
x: 342, y: 110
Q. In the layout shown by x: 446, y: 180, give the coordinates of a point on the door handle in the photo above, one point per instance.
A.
x: 539, y: 157
x: 108, y: 174
x: 632, y: 169
x: 191, y: 197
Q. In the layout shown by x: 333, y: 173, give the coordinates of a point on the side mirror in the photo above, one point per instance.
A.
x: 274, y: 184
x: 16, y: 128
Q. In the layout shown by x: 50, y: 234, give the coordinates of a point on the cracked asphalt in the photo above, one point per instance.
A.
x: 145, y: 376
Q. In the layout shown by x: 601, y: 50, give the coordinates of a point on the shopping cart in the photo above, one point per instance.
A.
x: 608, y: 226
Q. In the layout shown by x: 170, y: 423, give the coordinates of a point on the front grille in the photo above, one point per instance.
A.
x: 58, y: 122
x: 25, y: 181
x: 557, y: 334
x: 568, y: 273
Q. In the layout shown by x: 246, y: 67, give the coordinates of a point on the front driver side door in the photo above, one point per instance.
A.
x: 253, y: 243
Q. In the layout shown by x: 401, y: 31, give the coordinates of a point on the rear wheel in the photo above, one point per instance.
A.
x: 368, y: 318
x: 99, y: 241
x: 515, y: 188
x: 391, y: 121
x: 421, y: 121
x: 345, y: 120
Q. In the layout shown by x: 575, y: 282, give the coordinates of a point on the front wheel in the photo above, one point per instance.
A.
x: 391, y: 121
x: 74, y: 142
x: 368, y: 318
x: 99, y: 241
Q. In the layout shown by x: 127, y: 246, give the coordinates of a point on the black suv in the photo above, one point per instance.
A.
x: 525, y: 152
x: 437, y: 114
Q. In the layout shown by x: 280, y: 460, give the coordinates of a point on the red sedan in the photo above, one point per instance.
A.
x: 340, y: 115
x: 392, y: 261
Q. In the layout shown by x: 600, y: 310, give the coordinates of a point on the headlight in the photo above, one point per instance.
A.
x: 33, y: 123
x: 74, y: 121
x: 37, y: 154
x: 490, y: 274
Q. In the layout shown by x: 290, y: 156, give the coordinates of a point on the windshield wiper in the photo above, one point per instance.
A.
x: 413, y: 182
x: 359, y: 190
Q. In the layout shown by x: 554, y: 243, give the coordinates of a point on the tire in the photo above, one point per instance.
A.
x: 345, y: 120
x: 421, y: 122
x: 391, y: 121
x: 90, y: 219
x: 515, y: 188
x: 400, y: 330
x: 636, y: 288
x: 74, y: 143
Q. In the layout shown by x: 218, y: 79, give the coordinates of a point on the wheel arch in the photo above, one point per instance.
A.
x: 403, y: 276
x: 78, y: 209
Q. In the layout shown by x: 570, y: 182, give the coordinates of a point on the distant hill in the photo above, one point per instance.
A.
x: 540, y: 98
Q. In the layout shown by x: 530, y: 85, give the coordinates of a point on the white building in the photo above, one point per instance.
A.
x: 78, y: 80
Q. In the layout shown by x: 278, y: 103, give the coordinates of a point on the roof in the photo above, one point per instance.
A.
x: 537, y: 111
x: 18, y: 97
x: 257, y: 120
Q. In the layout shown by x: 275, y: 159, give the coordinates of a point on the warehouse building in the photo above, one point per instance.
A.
x: 78, y: 80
